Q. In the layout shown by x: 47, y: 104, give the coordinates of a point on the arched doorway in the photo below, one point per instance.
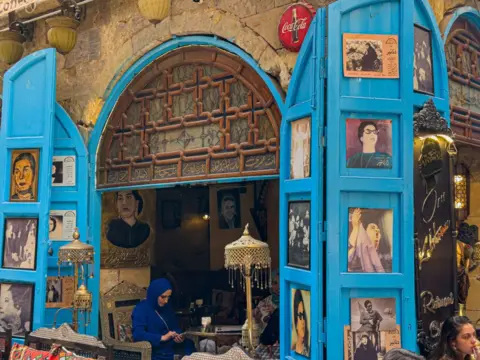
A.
x: 194, y: 111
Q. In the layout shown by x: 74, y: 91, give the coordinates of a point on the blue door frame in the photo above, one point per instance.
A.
x: 346, y: 97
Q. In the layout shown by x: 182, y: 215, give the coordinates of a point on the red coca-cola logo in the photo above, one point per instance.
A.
x: 294, y: 25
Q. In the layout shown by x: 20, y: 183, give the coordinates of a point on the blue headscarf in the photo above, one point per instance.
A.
x: 159, y: 287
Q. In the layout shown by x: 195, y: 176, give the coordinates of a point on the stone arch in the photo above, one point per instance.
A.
x: 211, y: 22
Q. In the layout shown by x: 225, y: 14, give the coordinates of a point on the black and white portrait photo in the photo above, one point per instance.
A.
x: 422, y: 61
x: 54, y: 290
x: 20, y: 245
x: 228, y: 204
x: 127, y: 231
x: 16, y: 303
x: 370, y: 345
x: 57, y: 172
x: 299, y: 234
x: 364, y: 55
x: 371, y: 316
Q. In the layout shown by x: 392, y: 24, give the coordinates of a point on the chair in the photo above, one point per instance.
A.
x: 83, y: 345
x: 116, y: 307
x: 5, y: 344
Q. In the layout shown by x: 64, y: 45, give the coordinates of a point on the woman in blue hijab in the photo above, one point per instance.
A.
x: 154, y: 321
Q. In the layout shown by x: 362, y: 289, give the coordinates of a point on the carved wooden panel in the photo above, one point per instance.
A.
x: 463, y: 51
x: 195, y: 113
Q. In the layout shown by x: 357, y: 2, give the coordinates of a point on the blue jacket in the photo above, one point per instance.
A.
x: 148, y: 324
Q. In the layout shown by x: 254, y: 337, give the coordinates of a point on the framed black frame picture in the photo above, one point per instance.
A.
x: 17, y: 301
x: 422, y: 51
x: 299, y: 234
x: 20, y: 243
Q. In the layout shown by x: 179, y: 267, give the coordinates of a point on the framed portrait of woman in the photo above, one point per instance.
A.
x: 24, y: 175
x: 20, y: 243
x: 300, y: 149
x: 16, y: 308
x: 300, y: 303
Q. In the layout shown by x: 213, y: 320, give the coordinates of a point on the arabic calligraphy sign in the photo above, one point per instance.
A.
x: 434, y: 241
x: 8, y: 6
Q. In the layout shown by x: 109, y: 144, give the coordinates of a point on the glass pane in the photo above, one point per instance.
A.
x: 156, y: 109
x: 211, y: 135
x: 238, y: 95
x: 211, y: 99
x: 265, y: 128
x: 132, y: 145
x: 466, y: 62
x: 157, y: 143
x: 133, y: 114
x: 156, y: 83
x: 451, y: 54
x: 211, y: 70
x: 115, y: 148
x: 239, y: 131
x: 183, y: 73
x: 182, y: 105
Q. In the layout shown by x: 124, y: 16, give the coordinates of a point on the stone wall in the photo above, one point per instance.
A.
x: 113, y: 35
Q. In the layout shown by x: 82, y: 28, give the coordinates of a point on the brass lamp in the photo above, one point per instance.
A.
x: 251, y: 259
x: 78, y: 254
x: 154, y: 10
x: 62, y: 34
x: 11, y: 43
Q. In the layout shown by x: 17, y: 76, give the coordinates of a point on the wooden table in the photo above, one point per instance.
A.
x: 209, y: 333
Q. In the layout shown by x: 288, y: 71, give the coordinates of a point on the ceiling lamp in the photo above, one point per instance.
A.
x: 62, y: 34
x: 154, y: 10
x: 11, y: 43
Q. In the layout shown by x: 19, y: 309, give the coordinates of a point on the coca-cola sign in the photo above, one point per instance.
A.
x: 294, y: 25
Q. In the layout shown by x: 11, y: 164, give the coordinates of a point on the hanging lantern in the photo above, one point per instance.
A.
x: 154, y: 10
x: 11, y: 46
x: 62, y: 34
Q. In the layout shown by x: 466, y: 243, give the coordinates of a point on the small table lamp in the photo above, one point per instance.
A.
x: 251, y: 258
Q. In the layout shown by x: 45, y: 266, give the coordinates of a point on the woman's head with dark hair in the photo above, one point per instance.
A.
x: 128, y: 203
x: 361, y: 128
x: 458, y: 338
x: 52, y: 224
x: 23, y: 171
x: 402, y: 354
x: 300, y: 316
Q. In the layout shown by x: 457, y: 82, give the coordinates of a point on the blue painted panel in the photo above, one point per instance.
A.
x: 305, y: 99
x: 27, y: 123
x: 67, y: 141
x: 376, y: 99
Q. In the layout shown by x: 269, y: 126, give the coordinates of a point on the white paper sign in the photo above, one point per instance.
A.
x: 63, y: 171
x: 62, y: 224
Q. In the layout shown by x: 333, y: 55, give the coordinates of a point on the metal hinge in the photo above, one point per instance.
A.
x: 323, y: 67
x: 324, y: 232
x: 322, y: 338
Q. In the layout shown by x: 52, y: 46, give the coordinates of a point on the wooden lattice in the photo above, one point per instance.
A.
x: 463, y: 53
x: 195, y: 113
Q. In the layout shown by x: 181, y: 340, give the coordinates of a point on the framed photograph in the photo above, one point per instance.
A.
x: 373, y: 314
x: 24, y: 175
x: 16, y: 308
x: 370, y: 240
x: 63, y: 171
x: 301, y: 322
x: 370, y: 345
x: 422, y: 61
x: 62, y: 224
x: 20, y: 243
x: 369, y: 144
x: 300, y: 149
x: 299, y: 234
x: 228, y: 207
x: 370, y: 56
x: 171, y: 214
x: 60, y: 291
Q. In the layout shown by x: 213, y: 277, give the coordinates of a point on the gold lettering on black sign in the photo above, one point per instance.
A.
x: 432, y: 304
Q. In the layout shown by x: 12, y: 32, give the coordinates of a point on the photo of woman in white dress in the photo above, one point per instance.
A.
x: 300, y: 149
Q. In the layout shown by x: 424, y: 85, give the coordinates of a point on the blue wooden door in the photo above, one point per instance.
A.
x: 26, y: 162
x: 301, y: 203
x: 369, y: 167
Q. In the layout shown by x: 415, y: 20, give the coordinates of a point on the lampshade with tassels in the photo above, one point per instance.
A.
x: 250, y: 260
x: 78, y: 254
